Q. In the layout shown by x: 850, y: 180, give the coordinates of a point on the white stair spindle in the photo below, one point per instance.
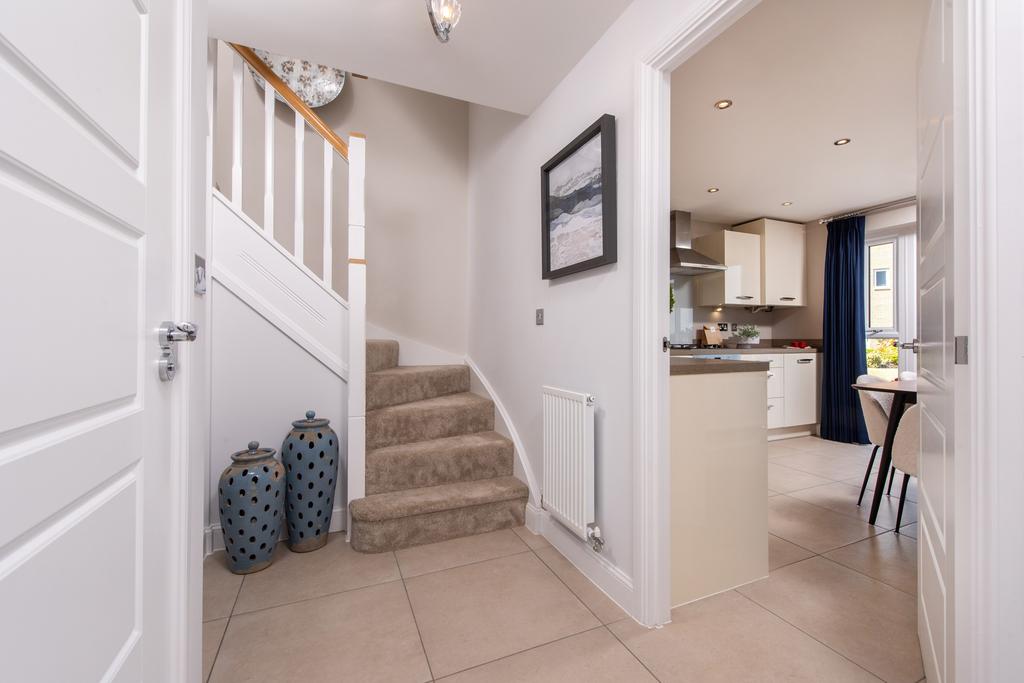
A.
x: 300, y: 196
x: 269, y: 101
x: 328, y: 207
x: 357, y: 320
x: 236, y: 131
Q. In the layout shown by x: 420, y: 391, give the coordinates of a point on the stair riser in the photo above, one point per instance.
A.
x: 399, y: 471
x: 381, y: 355
x: 405, y: 532
x: 393, y: 390
x: 385, y: 428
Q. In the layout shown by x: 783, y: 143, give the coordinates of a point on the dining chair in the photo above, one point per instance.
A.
x: 877, y: 421
x: 906, y: 448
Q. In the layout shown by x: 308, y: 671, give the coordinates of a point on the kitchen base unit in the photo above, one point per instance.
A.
x: 719, y: 485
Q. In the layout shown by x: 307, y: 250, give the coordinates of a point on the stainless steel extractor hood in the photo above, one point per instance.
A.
x: 683, y: 259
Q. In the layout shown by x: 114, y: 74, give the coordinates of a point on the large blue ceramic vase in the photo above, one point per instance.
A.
x: 251, y: 495
x: 310, y: 456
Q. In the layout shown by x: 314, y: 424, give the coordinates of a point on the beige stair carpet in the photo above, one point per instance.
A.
x: 435, y: 467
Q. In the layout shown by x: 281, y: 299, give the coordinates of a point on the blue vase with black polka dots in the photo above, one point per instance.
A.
x: 310, y: 457
x: 251, y: 493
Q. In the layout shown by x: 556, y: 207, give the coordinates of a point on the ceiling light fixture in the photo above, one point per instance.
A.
x: 723, y: 104
x: 444, y: 15
x: 842, y: 141
x: 712, y: 190
x: 787, y: 203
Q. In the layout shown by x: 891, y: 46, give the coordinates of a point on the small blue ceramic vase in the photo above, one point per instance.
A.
x: 251, y: 494
x: 310, y: 457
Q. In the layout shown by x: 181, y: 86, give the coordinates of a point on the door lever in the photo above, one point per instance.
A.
x: 169, y: 334
x: 914, y: 346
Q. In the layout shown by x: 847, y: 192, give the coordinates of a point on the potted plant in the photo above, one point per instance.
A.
x: 749, y: 336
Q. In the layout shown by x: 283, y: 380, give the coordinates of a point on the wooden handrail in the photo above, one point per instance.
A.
x: 260, y: 67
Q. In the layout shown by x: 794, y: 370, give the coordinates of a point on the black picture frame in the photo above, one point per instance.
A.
x: 605, y: 127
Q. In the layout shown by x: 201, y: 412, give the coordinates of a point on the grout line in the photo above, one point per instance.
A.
x: 460, y: 566
x: 809, y: 635
x: 567, y: 587
x: 224, y: 635
x: 316, y: 597
x: 635, y: 655
x: 419, y: 634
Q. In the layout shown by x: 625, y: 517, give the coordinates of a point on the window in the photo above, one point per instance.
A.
x: 880, y: 278
x: 881, y: 298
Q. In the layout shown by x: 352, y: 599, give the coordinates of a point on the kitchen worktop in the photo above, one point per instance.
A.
x: 710, y: 366
x: 755, y: 350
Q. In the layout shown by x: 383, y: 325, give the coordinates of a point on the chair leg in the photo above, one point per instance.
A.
x: 892, y: 476
x: 867, y: 475
x: 903, y: 499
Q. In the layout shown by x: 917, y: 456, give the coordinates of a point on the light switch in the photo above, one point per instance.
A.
x: 540, y: 316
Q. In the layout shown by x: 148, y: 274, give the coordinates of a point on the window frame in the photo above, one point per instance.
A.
x: 894, y: 283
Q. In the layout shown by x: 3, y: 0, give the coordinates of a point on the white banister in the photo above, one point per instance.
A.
x: 357, y: 320
x: 300, y: 193
x: 269, y: 102
x: 236, y: 131
x: 328, y: 208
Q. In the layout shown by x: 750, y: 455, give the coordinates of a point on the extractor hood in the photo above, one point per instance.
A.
x: 683, y: 259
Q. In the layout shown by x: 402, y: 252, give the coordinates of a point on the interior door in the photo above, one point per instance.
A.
x: 87, y: 131
x: 935, y: 277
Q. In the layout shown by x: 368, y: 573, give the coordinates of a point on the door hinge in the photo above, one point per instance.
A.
x: 960, y: 350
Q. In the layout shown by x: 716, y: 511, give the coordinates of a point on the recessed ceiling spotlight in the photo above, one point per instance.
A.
x: 712, y: 190
x: 723, y: 104
x: 787, y: 203
x: 842, y: 141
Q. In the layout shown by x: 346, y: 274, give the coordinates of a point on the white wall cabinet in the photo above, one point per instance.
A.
x: 740, y: 285
x: 783, y: 262
x: 801, y: 389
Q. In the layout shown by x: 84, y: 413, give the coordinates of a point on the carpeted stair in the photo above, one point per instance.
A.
x: 435, y: 467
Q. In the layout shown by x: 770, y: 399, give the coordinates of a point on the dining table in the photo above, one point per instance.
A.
x: 904, y: 393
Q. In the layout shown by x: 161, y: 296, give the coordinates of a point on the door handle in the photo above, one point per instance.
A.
x: 787, y: 298
x: 745, y: 297
x: 168, y: 335
x: 804, y: 361
x: 914, y: 346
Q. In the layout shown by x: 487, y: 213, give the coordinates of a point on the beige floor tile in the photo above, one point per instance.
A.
x: 603, y: 607
x: 220, y: 587
x: 730, y: 639
x: 475, y: 614
x: 781, y: 553
x: 592, y: 656
x: 911, y: 488
x: 458, y: 551
x: 832, y: 466
x: 813, y: 527
x: 865, y: 620
x: 887, y: 557
x: 909, y: 530
x: 213, y: 631
x: 815, y: 444
x: 362, y: 635
x: 842, y: 498
x: 531, y: 539
x: 785, y: 479
x: 777, y: 449
x: 300, y: 576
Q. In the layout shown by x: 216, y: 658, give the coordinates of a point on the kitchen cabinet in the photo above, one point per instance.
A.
x: 783, y: 263
x: 740, y: 284
x: 800, y: 401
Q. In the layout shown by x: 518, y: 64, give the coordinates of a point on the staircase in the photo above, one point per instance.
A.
x: 435, y: 467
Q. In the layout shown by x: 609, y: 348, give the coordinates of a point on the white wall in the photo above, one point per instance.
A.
x: 416, y: 195
x: 586, y: 341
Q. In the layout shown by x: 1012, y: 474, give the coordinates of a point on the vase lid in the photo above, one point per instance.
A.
x: 311, y: 421
x: 253, y: 452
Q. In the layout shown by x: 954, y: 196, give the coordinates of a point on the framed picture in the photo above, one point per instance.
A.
x: 578, y: 200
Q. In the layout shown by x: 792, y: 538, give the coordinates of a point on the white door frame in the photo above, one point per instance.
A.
x: 650, y: 321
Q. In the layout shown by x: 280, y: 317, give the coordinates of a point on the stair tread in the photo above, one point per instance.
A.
x: 402, y: 370
x: 480, y: 439
x: 412, y: 502
x: 460, y: 400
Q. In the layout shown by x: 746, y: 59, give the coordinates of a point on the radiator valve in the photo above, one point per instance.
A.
x: 595, y: 538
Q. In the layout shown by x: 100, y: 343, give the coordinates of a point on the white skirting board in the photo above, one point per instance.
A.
x: 213, y: 537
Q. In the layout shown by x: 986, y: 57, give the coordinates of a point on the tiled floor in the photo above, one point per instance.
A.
x: 838, y: 606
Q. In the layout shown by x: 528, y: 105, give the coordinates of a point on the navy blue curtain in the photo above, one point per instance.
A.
x: 844, y: 357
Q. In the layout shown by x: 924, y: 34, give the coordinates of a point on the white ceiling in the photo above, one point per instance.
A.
x: 505, y: 54
x: 801, y: 74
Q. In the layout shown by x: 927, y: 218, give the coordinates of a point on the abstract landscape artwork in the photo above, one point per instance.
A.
x: 579, y: 208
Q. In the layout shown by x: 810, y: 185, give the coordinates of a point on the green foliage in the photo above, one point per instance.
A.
x: 748, y: 331
x: 671, y: 298
x: 883, y: 353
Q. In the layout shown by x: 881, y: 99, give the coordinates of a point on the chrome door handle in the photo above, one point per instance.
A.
x: 168, y: 335
x: 744, y: 297
x: 914, y: 346
x: 787, y: 298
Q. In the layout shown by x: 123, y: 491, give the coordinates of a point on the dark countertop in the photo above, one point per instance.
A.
x: 756, y: 350
x: 694, y: 366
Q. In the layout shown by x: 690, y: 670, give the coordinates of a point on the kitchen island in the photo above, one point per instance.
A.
x: 719, y: 487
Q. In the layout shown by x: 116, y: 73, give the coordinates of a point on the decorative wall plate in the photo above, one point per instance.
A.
x: 316, y: 84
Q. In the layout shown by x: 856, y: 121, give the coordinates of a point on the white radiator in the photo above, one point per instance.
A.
x: 568, y: 489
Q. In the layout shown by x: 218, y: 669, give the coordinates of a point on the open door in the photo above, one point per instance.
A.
x: 90, y: 565
x: 936, y: 315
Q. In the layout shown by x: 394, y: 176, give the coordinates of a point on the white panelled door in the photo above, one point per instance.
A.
x: 87, y: 176
x: 936, y: 291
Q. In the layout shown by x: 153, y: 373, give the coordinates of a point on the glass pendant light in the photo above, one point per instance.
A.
x: 444, y: 15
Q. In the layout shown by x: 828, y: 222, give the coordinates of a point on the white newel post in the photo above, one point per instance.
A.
x: 357, y: 321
